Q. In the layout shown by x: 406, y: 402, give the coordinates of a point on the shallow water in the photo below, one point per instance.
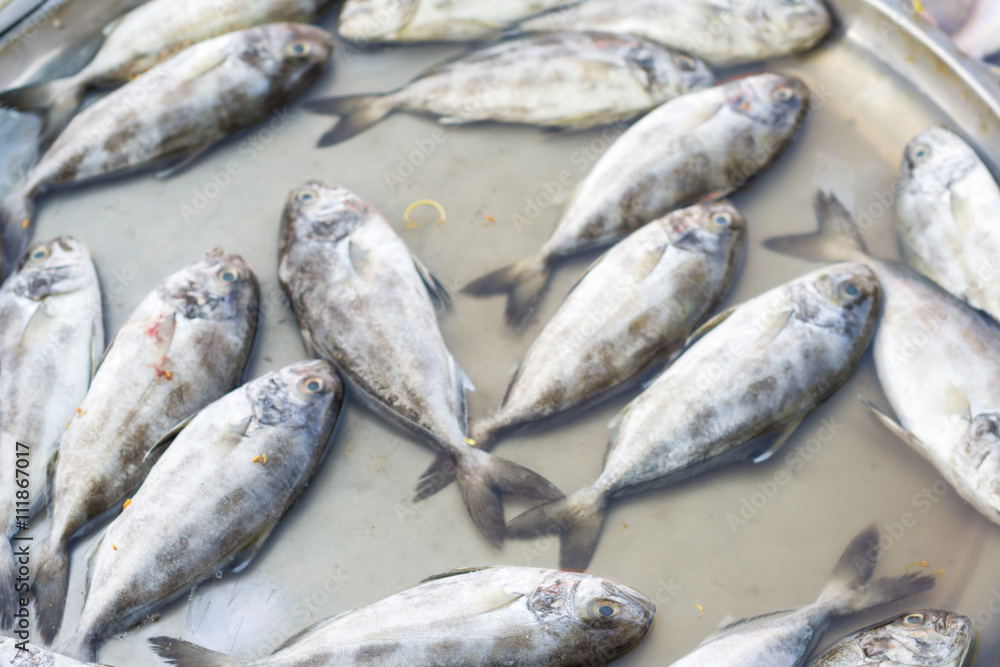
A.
x: 354, y: 537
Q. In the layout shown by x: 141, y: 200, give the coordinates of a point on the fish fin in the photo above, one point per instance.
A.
x: 185, y: 161
x: 713, y: 322
x: 82, y: 646
x: 242, y: 559
x: 578, y: 519
x: 779, y: 442
x: 51, y: 582
x: 167, y: 437
x: 55, y: 101
x: 96, y: 342
x: 439, y: 293
x: 523, y: 282
x: 850, y: 590
x: 8, y: 574
x: 483, y: 478
x: 893, y: 425
x: 438, y: 476
x: 457, y: 572
x: 186, y: 654
x: 837, y: 238
x: 357, y: 113
x: 17, y: 217
x: 586, y: 121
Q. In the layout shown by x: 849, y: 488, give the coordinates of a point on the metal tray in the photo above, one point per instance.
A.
x: 355, y: 537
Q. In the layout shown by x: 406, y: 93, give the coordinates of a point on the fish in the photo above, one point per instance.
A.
x: 562, y: 81
x: 629, y: 314
x: 947, y: 215
x: 916, y: 638
x: 13, y: 11
x: 720, y: 32
x: 403, y: 21
x: 788, y: 638
x: 935, y: 357
x: 365, y: 303
x: 228, y: 476
x: 34, y: 656
x: 144, y: 37
x: 704, y: 144
x: 178, y: 109
x: 185, y: 345
x: 51, y: 336
x: 497, y: 615
x: 756, y: 369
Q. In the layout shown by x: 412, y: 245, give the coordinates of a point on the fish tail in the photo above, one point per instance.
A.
x: 484, y: 478
x: 51, y: 581
x: 186, y: 654
x: 17, y: 213
x: 523, y: 282
x: 836, y: 240
x: 8, y: 595
x: 441, y: 472
x: 357, y: 113
x: 82, y: 646
x: 850, y: 589
x: 577, y: 520
x: 55, y: 101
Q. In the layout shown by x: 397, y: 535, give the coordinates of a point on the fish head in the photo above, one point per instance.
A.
x: 793, y: 25
x: 778, y: 103
x: 216, y: 287
x: 924, y: 637
x: 364, y: 21
x: 59, y: 266
x: 664, y: 70
x: 298, y: 397
x: 976, y: 462
x: 844, y: 297
x: 711, y: 229
x: 935, y: 159
x: 318, y: 211
x: 300, y: 53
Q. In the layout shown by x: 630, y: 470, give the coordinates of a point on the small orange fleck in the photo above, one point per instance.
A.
x: 114, y: 547
x: 78, y: 411
x: 701, y: 609
x: 921, y: 563
x: 491, y: 218
x: 938, y: 573
x: 624, y: 526
x: 261, y: 459
x: 25, y: 223
x: 127, y: 503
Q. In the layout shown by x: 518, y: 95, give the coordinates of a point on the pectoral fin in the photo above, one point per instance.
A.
x: 894, y: 426
x: 167, y: 437
x: 779, y: 441
x: 439, y: 293
x: 715, y: 321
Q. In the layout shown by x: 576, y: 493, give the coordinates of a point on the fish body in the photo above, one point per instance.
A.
x: 631, y: 312
x: 935, y: 358
x: 34, y: 656
x: 477, y: 616
x: 721, y: 32
x: 788, y: 638
x: 179, y: 108
x: 948, y: 217
x: 561, y: 80
x: 757, y: 369
x: 212, y: 498
x: 375, y: 21
x: 146, y: 36
x: 51, y: 336
x: 184, y: 346
x: 708, y: 142
x: 366, y: 304
x: 917, y: 638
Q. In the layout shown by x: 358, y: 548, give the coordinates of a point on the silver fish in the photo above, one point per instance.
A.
x: 179, y: 108
x: 568, y: 81
x: 936, y: 359
x: 631, y: 312
x: 703, y: 143
x: 758, y: 368
x: 185, y: 345
x: 51, y: 336
x: 229, y: 476
x: 368, y: 21
x: 474, y: 616
x: 788, y: 638
x: 146, y: 36
x: 948, y: 217
x: 34, y: 656
x: 917, y: 638
x: 365, y: 303
x: 720, y: 32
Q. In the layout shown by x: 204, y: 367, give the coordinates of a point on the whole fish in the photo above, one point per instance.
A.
x: 948, y: 217
x: 180, y: 108
x: 631, y: 312
x: 567, y: 81
x: 368, y: 21
x: 917, y: 638
x: 721, y: 32
x: 474, y: 616
x: 51, y: 336
x: 212, y: 499
x: 184, y: 346
x: 365, y: 303
x: 34, y: 656
x: 758, y: 368
x: 788, y: 638
x: 146, y: 36
x: 703, y: 143
x: 936, y: 359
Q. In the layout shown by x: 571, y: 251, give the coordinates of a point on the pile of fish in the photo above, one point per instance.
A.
x: 186, y: 465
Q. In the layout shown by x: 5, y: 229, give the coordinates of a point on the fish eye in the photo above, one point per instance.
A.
x: 313, y: 385
x: 850, y: 289
x: 921, y: 153
x: 604, y: 608
x: 783, y: 94
x: 229, y: 275
x: 722, y: 218
x: 913, y: 619
x: 300, y: 49
x: 306, y: 196
x: 686, y: 63
x: 41, y: 252
x: 742, y: 102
